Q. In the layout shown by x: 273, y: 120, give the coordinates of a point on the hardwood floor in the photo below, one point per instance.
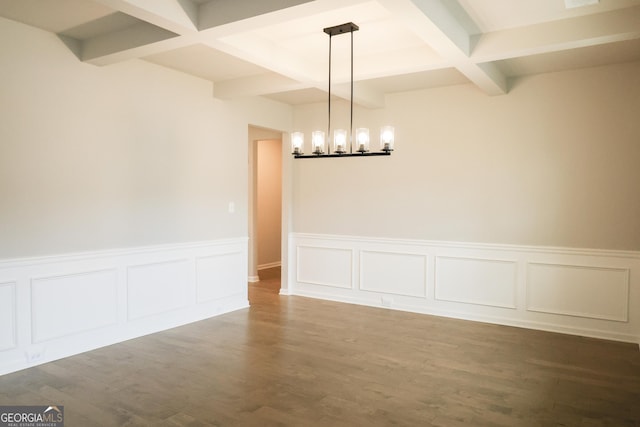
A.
x: 294, y: 361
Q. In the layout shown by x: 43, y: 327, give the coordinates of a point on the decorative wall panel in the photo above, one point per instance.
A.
x: 393, y: 273
x: 219, y: 276
x: 157, y: 288
x: 69, y: 304
x: 325, y: 266
x: 476, y: 281
x: 593, y: 292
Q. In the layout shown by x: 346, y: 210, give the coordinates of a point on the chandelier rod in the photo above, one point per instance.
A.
x: 329, y: 92
x: 351, y: 100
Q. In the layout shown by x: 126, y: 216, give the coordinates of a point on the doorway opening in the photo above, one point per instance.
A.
x: 267, y: 244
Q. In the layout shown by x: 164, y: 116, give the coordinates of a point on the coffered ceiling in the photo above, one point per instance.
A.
x: 277, y: 49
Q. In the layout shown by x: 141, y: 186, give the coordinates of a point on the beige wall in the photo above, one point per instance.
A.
x: 136, y: 154
x: 269, y: 198
x: 555, y: 162
x: 107, y: 157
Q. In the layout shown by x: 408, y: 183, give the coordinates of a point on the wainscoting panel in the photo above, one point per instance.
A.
x: 69, y: 304
x: 7, y: 315
x: 219, y: 276
x: 587, y: 292
x: 393, y: 273
x: 476, y: 281
x: 593, y: 292
x: 57, y: 306
x: 157, y: 288
x: 325, y: 266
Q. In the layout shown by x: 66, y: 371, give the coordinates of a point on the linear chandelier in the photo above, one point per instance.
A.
x: 343, y: 141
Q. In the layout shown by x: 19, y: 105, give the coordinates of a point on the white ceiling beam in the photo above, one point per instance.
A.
x: 434, y: 23
x: 223, y: 25
x: 99, y: 53
x: 135, y: 41
x: 293, y: 75
x: 440, y: 23
x: 487, y: 76
x: 220, y: 12
x: 236, y: 38
x: 215, y: 17
x: 264, y: 54
x: 589, y: 30
x: 401, y: 61
x: 263, y: 84
x: 163, y: 21
x: 177, y: 16
x: 217, y: 31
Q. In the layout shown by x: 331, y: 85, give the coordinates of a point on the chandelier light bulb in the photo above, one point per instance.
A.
x: 297, y: 143
x: 340, y: 141
x: 386, y: 138
x: 317, y: 142
x: 362, y: 138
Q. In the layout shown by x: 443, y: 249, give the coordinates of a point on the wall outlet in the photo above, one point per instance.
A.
x: 35, y: 354
x: 232, y: 207
x: 387, y: 301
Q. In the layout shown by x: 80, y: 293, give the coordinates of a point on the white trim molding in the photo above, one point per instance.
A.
x: 587, y: 292
x: 8, y: 315
x: 269, y: 265
x: 57, y: 306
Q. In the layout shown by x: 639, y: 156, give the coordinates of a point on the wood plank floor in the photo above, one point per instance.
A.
x: 294, y: 361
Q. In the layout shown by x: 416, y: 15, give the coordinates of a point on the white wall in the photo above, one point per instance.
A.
x: 553, y: 163
x: 115, y: 184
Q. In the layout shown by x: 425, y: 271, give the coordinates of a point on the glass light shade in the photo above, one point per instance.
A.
x: 340, y: 141
x: 362, y: 140
x: 317, y: 141
x: 297, y: 143
x: 387, y: 138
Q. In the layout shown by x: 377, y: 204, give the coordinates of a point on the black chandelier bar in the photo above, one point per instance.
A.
x: 340, y: 140
x: 329, y: 155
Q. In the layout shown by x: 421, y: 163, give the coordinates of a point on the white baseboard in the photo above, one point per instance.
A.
x: 269, y: 265
x: 56, y: 306
x: 253, y: 279
x: 587, y: 292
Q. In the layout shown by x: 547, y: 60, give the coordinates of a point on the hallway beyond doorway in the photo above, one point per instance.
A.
x: 267, y: 290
